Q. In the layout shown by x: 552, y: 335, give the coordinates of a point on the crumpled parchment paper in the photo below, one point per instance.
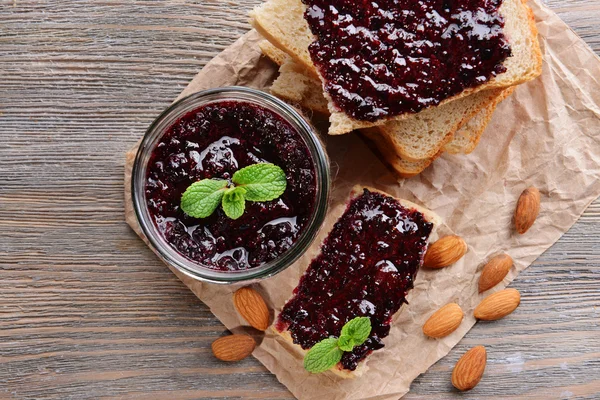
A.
x: 546, y: 135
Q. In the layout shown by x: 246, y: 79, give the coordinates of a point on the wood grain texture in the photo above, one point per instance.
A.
x: 87, y: 311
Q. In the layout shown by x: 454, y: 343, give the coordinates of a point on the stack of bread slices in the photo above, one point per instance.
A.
x: 407, y: 143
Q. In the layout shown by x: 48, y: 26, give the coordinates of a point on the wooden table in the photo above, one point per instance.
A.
x: 87, y: 311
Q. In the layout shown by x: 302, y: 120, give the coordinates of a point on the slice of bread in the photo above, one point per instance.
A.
x: 294, y: 85
x: 362, y: 366
x: 282, y: 23
x: 415, y: 139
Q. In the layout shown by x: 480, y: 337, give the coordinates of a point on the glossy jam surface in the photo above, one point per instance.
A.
x: 366, y: 267
x: 214, y: 141
x: 382, y: 58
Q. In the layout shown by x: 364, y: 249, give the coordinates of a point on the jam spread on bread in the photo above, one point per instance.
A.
x: 214, y: 141
x: 366, y: 266
x: 381, y: 58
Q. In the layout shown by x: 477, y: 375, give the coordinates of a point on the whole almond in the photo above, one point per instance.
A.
x: 445, y: 251
x: 233, y: 347
x: 494, y: 272
x: 252, y: 307
x: 469, y: 369
x: 498, y: 305
x: 528, y: 208
x: 444, y: 321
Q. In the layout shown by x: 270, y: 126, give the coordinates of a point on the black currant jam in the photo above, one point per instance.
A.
x: 366, y: 267
x: 388, y: 57
x: 214, y: 141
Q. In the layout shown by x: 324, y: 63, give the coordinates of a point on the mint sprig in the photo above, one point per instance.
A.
x: 328, y: 352
x: 258, y: 182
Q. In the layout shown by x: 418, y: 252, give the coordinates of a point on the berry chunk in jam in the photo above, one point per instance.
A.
x: 214, y: 141
x: 382, y: 58
x: 366, y: 267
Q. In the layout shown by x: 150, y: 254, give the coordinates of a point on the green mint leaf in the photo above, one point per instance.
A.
x: 202, y: 198
x: 263, y: 182
x: 234, y: 202
x: 358, y: 329
x: 323, y: 356
x: 346, y: 343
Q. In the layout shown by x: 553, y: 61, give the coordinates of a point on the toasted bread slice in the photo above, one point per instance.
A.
x: 357, y: 191
x: 282, y: 23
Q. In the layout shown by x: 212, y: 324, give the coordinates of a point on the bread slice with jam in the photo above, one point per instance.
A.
x: 416, y: 140
x: 366, y: 267
x: 282, y: 22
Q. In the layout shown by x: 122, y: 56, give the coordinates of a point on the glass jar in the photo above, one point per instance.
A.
x: 139, y: 178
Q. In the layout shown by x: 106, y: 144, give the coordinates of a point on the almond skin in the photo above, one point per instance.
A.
x: 445, y: 251
x: 498, y: 305
x: 444, y: 321
x: 469, y: 369
x: 494, y: 272
x: 528, y: 208
x: 252, y: 308
x: 233, y: 347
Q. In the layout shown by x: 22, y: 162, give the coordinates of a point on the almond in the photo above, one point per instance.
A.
x: 444, y: 321
x: 469, y: 369
x: 233, y: 347
x: 528, y: 208
x: 494, y: 272
x: 252, y: 307
x: 498, y: 305
x: 445, y: 251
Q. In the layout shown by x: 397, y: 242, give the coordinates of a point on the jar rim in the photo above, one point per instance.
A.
x: 158, y: 128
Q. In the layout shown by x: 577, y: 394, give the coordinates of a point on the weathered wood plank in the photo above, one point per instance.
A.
x: 87, y: 311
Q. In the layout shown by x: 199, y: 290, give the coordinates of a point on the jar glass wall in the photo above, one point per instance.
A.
x: 140, y: 175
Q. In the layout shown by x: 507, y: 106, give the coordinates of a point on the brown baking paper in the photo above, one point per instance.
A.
x: 546, y: 135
